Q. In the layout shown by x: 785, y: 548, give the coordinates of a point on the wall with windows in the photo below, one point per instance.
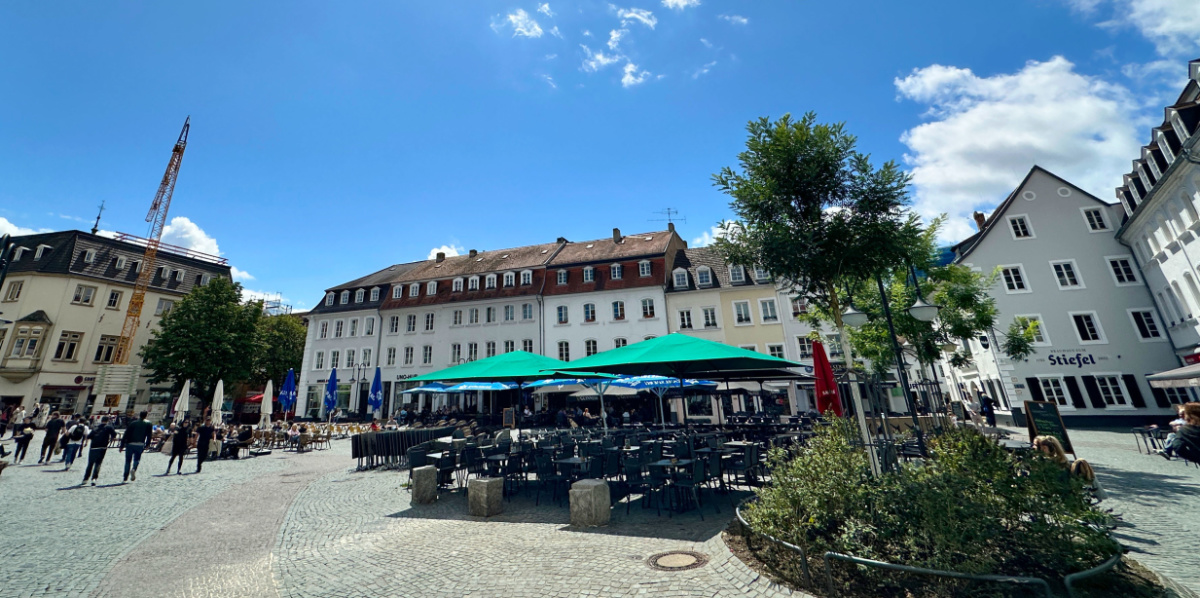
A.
x: 347, y: 340
x: 752, y: 318
x: 697, y: 313
x: 608, y: 326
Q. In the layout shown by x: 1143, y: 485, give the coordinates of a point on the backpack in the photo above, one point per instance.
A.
x: 77, y: 433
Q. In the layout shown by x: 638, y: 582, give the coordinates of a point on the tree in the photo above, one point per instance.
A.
x: 281, y: 339
x: 209, y: 335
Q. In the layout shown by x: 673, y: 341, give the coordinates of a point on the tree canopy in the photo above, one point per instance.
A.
x: 281, y: 340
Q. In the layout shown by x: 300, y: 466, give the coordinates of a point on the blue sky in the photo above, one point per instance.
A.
x: 332, y: 139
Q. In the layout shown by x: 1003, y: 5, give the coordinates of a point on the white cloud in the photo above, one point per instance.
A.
x: 700, y: 72
x: 614, y: 37
x: 551, y: 56
x: 106, y: 233
x: 549, y: 81
x: 554, y: 31
x: 8, y: 228
x: 183, y: 232
x: 522, y: 24
x: 449, y: 250
x: 735, y: 19
x: 545, y: 9
x: 985, y: 133
x: 1173, y: 26
x: 629, y: 15
x: 239, y: 274
x: 680, y: 4
x: 707, y: 237
x: 707, y: 44
x: 587, y: 33
x: 595, y: 61
x: 632, y: 75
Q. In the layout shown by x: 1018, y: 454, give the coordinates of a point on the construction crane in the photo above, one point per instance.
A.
x: 157, y: 217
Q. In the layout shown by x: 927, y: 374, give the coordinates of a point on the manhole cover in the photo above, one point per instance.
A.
x: 677, y: 561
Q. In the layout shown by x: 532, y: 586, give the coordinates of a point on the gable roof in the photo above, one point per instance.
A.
x: 483, y: 262
x: 601, y: 250
x: 695, y: 258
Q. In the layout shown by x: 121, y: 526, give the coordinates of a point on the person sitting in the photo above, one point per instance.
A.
x: 1083, y: 470
x: 1175, y: 424
x: 1186, y: 442
x: 1052, y: 448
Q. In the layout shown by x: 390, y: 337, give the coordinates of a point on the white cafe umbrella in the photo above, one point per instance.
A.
x: 217, y: 402
x: 181, y: 406
x: 264, y: 420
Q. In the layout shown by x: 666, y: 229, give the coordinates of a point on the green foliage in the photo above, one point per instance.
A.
x: 973, y: 507
x: 210, y: 335
x: 1018, y: 339
x: 281, y: 339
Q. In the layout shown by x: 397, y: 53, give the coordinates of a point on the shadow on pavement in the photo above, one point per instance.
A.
x: 1145, y: 488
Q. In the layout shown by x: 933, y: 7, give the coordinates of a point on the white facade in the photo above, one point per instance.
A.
x: 346, y: 340
x: 605, y: 330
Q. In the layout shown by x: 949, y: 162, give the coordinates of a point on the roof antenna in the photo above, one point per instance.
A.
x: 96, y: 227
x: 671, y: 217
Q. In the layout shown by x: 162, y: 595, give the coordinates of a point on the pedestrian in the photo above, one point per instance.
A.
x: 100, y: 437
x: 75, y: 437
x: 1186, y: 443
x: 179, y: 446
x: 23, y: 433
x: 54, y: 427
x: 204, y: 436
x: 133, y: 442
x: 987, y: 406
x: 18, y: 417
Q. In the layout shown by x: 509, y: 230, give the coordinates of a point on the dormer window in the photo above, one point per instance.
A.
x: 414, y: 290
x: 615, y: 272
x: 41, y: 249
x: 510, y: 279
x: 375, y: 294
x: 328, y: 299
x: 18, y: 252
x: 490, y: 281
x: 431, y: 288
x: 204, y: 279
x: 119, y: 263
x: 89, y: 256
x: 179, y: 274
x: 761, y: 274
x: 589, y: 274
x: 704, y: 276
x: 681, y: 279
x: 473, y: 283
x: 359, y: 295
x: 162, y: 272
x: 562, y: 277
x: 345, y: 298
x: 397, y: 291
x: 526, y: 277
x: 644, y: 268
x: 737, y: 274
x: 456, y: 286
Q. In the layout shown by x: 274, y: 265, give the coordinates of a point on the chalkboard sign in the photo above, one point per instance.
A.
x: 1043, y: 419
x: 510, y: 418
x: 959, y: 411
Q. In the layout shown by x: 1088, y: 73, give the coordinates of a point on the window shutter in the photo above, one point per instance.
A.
x: 1093, y: 390
x: 1035, y: 389
x: 1135, y: 393
x: 1160, y: 397
x: 1076, y: 395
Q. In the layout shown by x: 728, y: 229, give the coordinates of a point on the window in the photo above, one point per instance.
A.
x: 375, y: 294
x: 1014, y: 279
x: 324, y: 332
x: 1095, y: 219
x: 457, y: 285
x: 428, y: 322
x: 1111, y: 389
x: 685, y: 319
x: 710, y: 317
x: 526, y: 277
x: 164, y: 307
x: 527, y: 345
x: 359, y: 295
x: 1020, y: 227
x: 589, y: 274
x: 761, y: 274
x: 562, y: 277
x: 455, y: 353
x: 1040, y: 339
x: 775, y: 350
x: 1053, y: 391
x: 328, y: 298
x: 489, y: 315
x: 749, y: 347
x: 1122, y: 271
x: 527, y: 311
x: 457, y: 318
x: 1065, y: 274
x: 41, y: 249
x: 491, y: 349
x: 589, y: 348
x: 589, y: 312
x: 737, y: 274
x: 473, y: 315
x: 681, y: 279
x: 472, y: 351
x: 26, y: 342
x: 1147, y: 327
x: 204, y: 279
x: 179, y: 274
x: 318, y: 363
x: 345, y: 297
x: 68, y: 345
x: 369, y: 327
x: 510, y: 279
x: 805, y: 345
x: 414, y: 290
x: 391, y: 356
x: 394, y: 324
x: 397, y: 291
x: 767, y: 307
x: 618, y: 310
x: 354, y: 327
x: 619, y: 342
x: 427, y: 354
x: 562, y: 314
x: 14, y: 290
x: 410, y: 323
x: 490, y: 281
x: 334, y: 356
x: 119, y: 263
x: 644, y: 268
x: 1087, y: 328
x: 616, y: 272
x: 366, y: 358
x: 408, y: 356
x: 89, y: 256
x: 1176, y: 396
x: 799, y: 305
x: 510, y: 313
x: 473, y: 283
x: 349, y: 358
x: 431, y: 287
x: 741, y: 310
x: 509, y: 346
x: 564, y: 351
x: 704, y: 276
x: 114, y: 300
x: 84, y: 295
x: 647, y: 308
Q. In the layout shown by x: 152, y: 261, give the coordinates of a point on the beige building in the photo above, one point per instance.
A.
x: 62, y: 307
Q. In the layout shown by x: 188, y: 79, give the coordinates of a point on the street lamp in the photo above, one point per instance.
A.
x: 853, y: 317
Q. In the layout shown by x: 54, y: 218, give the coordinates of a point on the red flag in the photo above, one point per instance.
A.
x: 827, y: 390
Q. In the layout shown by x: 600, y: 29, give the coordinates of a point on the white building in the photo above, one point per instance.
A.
x: 1100, y: 334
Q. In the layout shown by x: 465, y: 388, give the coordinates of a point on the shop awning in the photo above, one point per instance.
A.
x: 1188, y: 375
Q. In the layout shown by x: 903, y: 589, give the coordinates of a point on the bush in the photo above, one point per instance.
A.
x: 972, y: 507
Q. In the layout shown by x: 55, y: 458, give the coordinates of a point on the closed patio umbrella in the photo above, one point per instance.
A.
x: 181, y: 406
x: 375, y: 399
x: 264, y: 417
x: 331, y: 392
x: 217, y: 401
x: 287, y: 394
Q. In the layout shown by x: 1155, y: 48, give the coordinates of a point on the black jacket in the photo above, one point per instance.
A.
x: 53, y: 429
x: 102, y: 435
x: 137, y: 432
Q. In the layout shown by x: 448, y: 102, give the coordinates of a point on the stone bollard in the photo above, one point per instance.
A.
x: 424, y: 485
x: 485, y: 496
x: 591, y: 504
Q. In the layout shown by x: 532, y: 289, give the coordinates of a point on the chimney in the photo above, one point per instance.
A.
x: 616, y: 235
x: 979, y: 220
x: 671, y: 226
x: 474, y: 253
x: 441, y: 256
x: 561, y: 240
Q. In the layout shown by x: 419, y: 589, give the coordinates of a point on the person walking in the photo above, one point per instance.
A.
x: 23, y: 434
x: 18, y: 417
x: 204, y: 436
x: 133, y: 442
x: 179, y: 446
x: 987, y: 405
x: 100, y: 437
x: 54, y: 427
x: 76, y: 433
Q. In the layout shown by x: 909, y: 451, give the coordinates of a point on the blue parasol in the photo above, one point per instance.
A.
x: 331, y: 392
x: 375, y: 399
x: 287, y: 394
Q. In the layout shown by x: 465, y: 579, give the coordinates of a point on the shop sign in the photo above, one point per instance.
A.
x: 1078, y: 360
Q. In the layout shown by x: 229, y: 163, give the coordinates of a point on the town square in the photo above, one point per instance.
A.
x: 689, y: 298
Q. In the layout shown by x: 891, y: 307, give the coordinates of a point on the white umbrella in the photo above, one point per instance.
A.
x: 181, y: 406
x: 217, y: 402
x: 264, y: 420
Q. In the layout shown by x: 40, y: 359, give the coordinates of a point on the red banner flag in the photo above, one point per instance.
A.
x: 827, y: 390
